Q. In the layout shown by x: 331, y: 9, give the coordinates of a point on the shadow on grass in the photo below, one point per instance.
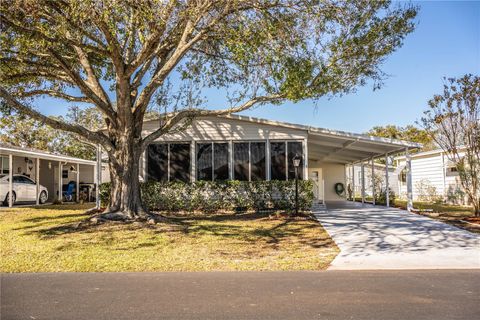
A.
x: 252, y: 228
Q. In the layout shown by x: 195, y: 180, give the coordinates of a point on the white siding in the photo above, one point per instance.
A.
x: 429, y: 169
x: 226, y: 129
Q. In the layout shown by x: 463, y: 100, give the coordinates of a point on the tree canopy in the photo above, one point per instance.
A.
x: 408, y: 133
x: 124, y: 56
x: 453, y: 121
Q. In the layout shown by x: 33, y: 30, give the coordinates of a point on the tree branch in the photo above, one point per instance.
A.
x: 84, y: 87
x: 95, y: 137
x: 54, y: 93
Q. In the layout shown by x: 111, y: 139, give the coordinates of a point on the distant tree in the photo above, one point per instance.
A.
x: 18, y: 130
x: 408, y: 133
x: 120, y: 56
x: 453, y: 121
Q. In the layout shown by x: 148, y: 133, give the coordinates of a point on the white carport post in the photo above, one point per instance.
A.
x: 10, y: 180
x: 77, y: 188
x: 37, y: 181
x: 353, y: 181
x: 363, y: 182
x: 387, y: 191
x: 409, y: 180
x: 60, y: 180
x: 373, y: 181
x: 98, y: 178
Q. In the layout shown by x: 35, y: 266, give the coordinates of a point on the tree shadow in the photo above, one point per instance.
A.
x: 367, y: 230
x: 248, y: 228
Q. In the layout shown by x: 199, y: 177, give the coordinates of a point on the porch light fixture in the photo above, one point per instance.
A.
x: 296, y: 163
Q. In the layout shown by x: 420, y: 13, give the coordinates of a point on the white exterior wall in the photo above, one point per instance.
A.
x: 332, y: 173
x: 430, y: 170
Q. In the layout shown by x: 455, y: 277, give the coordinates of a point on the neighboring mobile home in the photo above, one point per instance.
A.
x: 245, y: 148
x: 52, y: 171
x: 434, y: 177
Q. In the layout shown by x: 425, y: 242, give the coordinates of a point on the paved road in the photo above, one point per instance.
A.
x: 376, y: 237
x: 415, y: 295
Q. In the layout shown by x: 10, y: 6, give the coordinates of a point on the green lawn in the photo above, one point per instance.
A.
x: 447, y: 209
x: 51, y: 239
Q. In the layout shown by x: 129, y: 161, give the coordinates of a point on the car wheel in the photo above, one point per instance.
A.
x: 43, y: 197
x: 7, y: 199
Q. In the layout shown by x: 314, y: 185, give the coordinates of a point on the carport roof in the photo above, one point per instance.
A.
x: 339, y: 146
x: 7, y: 149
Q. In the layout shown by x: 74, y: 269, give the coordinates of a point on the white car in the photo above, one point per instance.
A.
x: 24, y: 189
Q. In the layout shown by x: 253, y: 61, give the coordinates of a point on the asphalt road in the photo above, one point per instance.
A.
x: 411, y: 295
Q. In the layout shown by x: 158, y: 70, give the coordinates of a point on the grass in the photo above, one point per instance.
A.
x: 451, y: 210
x: 54, y: 239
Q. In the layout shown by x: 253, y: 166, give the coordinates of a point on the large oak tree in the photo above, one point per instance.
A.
x: 122, y: 56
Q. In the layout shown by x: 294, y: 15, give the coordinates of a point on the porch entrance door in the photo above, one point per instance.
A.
x: 317, y: 178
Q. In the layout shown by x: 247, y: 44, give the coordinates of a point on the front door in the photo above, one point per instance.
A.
x: 317, y: 178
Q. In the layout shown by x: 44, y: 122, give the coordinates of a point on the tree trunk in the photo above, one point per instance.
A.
x: 125, y: 195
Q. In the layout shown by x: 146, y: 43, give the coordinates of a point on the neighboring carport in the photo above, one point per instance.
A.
x: 50, y: 170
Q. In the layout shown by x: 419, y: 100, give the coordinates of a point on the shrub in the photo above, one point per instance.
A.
x: 381, y: 198
x: 208, y: 196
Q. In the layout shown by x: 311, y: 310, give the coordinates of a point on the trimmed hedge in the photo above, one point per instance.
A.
x: 208, y: 196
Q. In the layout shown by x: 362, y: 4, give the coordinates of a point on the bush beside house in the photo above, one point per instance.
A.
x: 208, y: 196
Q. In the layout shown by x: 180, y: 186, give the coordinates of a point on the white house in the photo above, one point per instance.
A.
x: 246, y: 148
x: 434, y: 177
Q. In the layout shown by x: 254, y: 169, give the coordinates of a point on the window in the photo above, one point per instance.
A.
x: 451, y: 172
x: 4, y: 165
x: 180, y: 162
x: 241, y: 161
x: 212, y: 161
x: 281, y: 164
x: 65, y: 174
x: 220, y: 161
x: 257, y: 160
x: 278, y: 161
x: 204, y: 161
x: 294, y: 148
x: 157, y: 162
x: 249, y: 161
x: 168, y: 162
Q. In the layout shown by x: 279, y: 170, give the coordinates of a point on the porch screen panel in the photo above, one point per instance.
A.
x: 257, y: 160
x: 157, y: 162
x: 240, y: 161
x: 220, y: 161
x: 277, y: 161
x: 204, y: 161
x: 180, y: 162
x: 294, y: 148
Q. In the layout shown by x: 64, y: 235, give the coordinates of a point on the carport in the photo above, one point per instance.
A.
x: 50, y: 170
x: 332, y: 156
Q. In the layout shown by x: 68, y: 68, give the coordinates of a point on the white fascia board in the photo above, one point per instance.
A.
x: 327, y: 132
x: 44, y: 155
x: 428, y: 153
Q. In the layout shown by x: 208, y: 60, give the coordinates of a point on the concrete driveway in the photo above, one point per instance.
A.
x: 375, y: 237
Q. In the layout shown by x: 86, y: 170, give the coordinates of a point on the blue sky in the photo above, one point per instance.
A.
x: 446, y: 42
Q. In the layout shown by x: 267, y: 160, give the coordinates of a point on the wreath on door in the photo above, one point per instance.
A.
x: 339, y: 189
